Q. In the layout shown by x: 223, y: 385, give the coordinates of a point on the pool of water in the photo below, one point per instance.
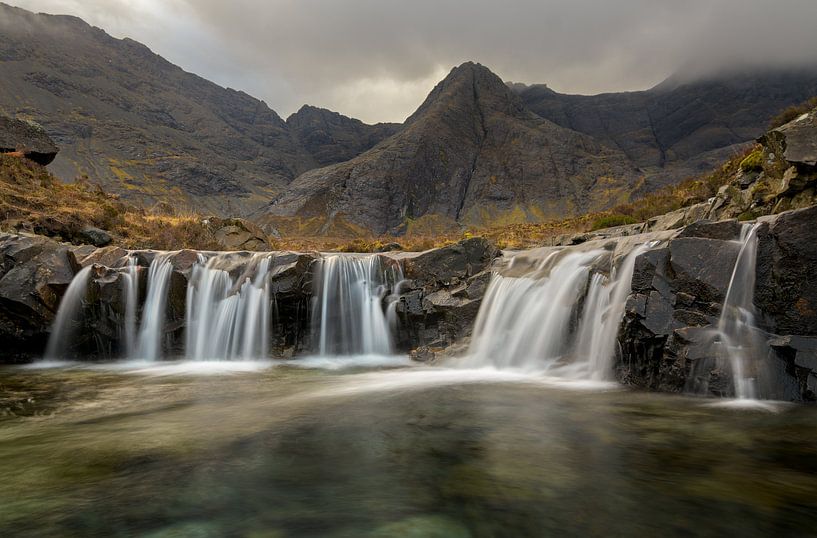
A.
x: 381, y: 450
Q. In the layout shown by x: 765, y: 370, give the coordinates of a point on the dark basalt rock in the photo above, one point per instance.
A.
x: 27, y: 139
x: 677, y: 296
x: 440, y: 302
x: 34, y: 274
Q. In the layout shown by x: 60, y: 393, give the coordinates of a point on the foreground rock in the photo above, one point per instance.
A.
x: 677, y: 297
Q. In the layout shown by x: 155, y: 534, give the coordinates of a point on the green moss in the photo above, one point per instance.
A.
x: 753, y: 162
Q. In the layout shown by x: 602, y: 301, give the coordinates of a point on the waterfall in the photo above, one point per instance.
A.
x: 131, y: 299
x: 349, y: 317
x: 603, y: 312
x: 228, y: 319
x: 740, y: 340
x: 564, y: 323
x: 151, y: 330
x: 69, y: 311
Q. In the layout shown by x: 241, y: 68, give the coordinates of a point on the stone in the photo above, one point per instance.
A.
x: 460, y: 261
x: 238, y: 234
x: 93, y: 236
x: 796, y: 140
x: 27, y: 139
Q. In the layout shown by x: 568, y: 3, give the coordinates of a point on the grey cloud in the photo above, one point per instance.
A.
x: 376, y: 59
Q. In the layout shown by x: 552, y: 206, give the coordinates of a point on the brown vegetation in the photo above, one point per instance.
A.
x: 792, y: 113
x: 33, y: 200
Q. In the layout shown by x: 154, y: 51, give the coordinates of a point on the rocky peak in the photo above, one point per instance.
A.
x: 475, y: 85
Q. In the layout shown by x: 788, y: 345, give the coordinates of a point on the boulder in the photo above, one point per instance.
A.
x: 796, y: 141
x: 27, y: 139
x: 34, y: 273
x: 93, y: 236
x: 453, y: 263
x: 238, y: 234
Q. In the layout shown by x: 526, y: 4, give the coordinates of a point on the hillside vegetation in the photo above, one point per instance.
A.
x: 33, y: 200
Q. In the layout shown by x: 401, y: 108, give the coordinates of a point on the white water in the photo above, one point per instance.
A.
x: 131, y: 299
x: 69, y: 311
x: 534, y: 323
x: 228, y: 319
x: 349, y: 316
x: 738, y: 336
x: 154, y: 315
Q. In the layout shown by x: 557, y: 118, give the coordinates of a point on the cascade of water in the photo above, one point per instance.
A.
x: 535, y: 323
x: 348, y: 315
x: 226, y: 319
x: 151, y: 330
x: 525, y: 322
x: 69, y: 310
x: 131, y: 299
x: 740, y: 340
x: 603, y: 312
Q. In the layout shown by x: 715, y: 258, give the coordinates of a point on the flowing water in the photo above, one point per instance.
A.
x: 739, y: 337
x: 228, y: 318
x: 152, y: 329
x: 69, y: 315
x: 349, y: 315
x: 562, y: 319
x: 737, y: 344
x: 286, y: 452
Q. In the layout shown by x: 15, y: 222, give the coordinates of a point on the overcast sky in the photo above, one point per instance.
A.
x: 377, y: 59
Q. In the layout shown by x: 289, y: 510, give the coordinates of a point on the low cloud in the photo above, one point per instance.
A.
x: 377, y: 59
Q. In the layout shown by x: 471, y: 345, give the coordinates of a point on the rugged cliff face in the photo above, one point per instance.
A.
x: 470, y: 154
x: 680, y: 128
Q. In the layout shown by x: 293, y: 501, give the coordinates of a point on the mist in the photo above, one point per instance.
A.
x: 376, y: 60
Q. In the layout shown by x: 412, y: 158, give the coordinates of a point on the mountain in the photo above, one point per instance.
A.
x: 331, y: 138
x: 681, y: 127
x: 472, y: 153
x: 146, y: 129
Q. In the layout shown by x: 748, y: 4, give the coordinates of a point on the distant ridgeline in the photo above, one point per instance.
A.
x: 477, y: 151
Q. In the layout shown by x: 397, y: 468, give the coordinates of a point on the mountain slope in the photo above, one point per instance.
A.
x: 678, y: 128
x: 331, y: 138
x: 143, y: 127
x: 472, y: 154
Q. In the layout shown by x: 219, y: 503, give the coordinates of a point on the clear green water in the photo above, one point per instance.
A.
x: 289, y: 452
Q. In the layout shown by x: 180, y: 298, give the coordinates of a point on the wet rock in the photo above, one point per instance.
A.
x: 787, y: 258
x: 390, y: 247
x: 34, y: 273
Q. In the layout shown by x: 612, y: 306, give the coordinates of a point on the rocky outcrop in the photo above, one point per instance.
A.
x: 26, y: 139
x: 677, y: 296
x: 238, y: 234
x: 34, y: 274
x: 440, y: 298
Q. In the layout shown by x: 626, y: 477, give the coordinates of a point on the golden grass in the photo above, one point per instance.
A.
x: 33, y: 200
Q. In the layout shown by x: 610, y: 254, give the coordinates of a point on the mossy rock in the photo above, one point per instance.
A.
x: 753, y: 162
